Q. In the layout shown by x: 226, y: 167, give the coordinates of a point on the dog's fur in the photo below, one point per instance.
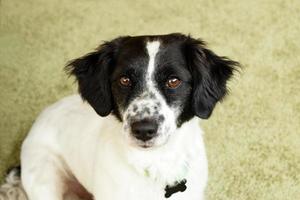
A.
x: 128, y: 141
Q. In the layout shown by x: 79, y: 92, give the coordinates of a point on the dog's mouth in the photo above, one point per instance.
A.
x: 146, y: 146
x: 153, y: 143
x: 142, y: 144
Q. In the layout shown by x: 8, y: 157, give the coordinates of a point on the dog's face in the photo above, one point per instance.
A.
x: 150, y: 87
x: 153, y: 84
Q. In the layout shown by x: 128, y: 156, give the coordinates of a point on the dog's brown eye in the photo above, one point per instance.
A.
x: 125, y: 81
x: 173, y: 83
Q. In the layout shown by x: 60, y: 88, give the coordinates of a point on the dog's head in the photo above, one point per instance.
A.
x: 153, y: 84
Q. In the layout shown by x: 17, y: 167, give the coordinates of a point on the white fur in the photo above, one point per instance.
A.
x: 152, y: 48
x: 70, y: 141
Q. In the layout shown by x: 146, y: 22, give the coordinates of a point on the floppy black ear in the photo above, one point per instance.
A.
x: 92, y: 72
x: 210, y: 74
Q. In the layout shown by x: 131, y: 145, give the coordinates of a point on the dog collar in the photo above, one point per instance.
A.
x: 177, y: 187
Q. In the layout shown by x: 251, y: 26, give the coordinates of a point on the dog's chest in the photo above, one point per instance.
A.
x: 124, y: 181
x: 163, y: 167
x: 144, y: 175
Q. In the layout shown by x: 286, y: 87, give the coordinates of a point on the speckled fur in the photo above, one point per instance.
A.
x: 12, y: 188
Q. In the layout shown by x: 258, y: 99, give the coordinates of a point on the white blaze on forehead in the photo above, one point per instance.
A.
x: 152, y: 48
x: 151, y: 104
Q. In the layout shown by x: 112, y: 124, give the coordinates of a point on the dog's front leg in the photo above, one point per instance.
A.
x: 42, y: 175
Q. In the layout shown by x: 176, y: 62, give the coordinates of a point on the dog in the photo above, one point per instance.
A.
x: 132, y: 132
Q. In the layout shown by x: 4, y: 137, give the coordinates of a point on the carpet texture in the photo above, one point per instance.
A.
x: 253, y: 137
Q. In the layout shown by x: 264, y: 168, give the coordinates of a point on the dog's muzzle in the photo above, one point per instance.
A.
x: 144, y: 130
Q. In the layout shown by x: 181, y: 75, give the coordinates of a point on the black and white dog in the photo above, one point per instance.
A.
x: 137, y: 137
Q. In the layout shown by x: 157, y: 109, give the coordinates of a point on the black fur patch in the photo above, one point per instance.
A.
x: 93, y: 72
x: 204, y: 75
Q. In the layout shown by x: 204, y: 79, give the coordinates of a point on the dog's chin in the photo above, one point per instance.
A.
x: 148, y: 145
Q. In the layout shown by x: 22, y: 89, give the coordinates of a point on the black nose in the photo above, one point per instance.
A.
x: 144, y: 130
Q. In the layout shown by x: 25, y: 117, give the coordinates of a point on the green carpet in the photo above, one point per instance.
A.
x: 253, y: 137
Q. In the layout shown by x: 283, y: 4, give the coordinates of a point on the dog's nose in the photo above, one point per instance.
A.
x: 144, y: 130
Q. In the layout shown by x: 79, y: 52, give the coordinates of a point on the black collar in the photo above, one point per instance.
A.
x: 177, y: 187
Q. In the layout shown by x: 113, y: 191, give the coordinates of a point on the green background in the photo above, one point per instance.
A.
x: 253, y: 137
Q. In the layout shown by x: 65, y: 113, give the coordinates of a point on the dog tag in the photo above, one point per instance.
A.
x: 178, y: 187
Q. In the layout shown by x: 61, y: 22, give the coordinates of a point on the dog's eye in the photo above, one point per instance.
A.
x: 125, y: 81
x: 173, y: 83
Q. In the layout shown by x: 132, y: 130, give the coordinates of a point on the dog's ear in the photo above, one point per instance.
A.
x: 92, y: 71
x: 210, y: 73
